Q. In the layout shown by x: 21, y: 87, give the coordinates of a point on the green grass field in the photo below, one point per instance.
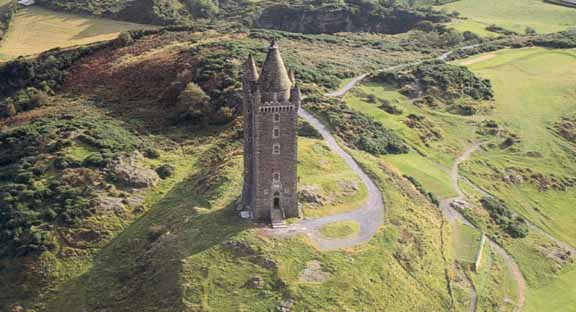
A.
x: 534, y: 88
x: 35, y: 30
x: 466, y: 242
x: 560, y: 295
x: 320, y: 168
x: 514, y: 15
x: 340, y: 229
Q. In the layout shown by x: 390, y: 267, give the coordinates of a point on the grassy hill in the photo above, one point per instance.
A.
x: 35, y: 30
x: 513, y: 15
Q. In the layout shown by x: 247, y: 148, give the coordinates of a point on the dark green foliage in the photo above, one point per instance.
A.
x: 24, y: 83
x: 306, y: 130
x: 431, y: 196
x: 7, y: 11
x: 500, y: 30
x: 28, y: 213
x: 34, y: 196
x: 165, y: 171
x: 510, y: 222
x: 390, y: 108
x: 441, y: 84
x: 23, y: 100
x: 357, y: 129
x: 453, y: 81
x: 94, y: 160
x: 561, y: 40
x: 152, y: 153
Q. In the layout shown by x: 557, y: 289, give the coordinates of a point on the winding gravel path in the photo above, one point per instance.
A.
x: 370, y: 216
x: 454, y: 215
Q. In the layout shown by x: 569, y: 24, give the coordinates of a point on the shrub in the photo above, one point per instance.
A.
x: 94, y: 160
x: 152, y: 153
x: 511, y: 223
x: 165, y: 171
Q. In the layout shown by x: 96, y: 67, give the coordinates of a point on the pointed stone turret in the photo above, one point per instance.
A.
x: 295, y: 94
x: 274, y: 77
x: 250, y: 70
x: 291, y: 76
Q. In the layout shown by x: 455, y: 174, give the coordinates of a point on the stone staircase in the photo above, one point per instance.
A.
x: 277, y: 217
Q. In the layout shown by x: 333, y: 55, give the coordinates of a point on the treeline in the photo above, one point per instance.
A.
x: 7, y: 11
x: 25, y: 82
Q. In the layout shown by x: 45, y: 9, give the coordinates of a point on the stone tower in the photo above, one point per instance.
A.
x: 271, y: 102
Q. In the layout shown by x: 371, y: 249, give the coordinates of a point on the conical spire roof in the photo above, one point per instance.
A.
x: 274, y: 77
x: 250, y: 70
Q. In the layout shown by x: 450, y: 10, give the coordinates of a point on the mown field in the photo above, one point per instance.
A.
x: 514, y: 15
x: 35, y: 30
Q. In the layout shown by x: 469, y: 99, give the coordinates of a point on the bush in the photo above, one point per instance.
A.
x: 94, y: 160
x: 152, y: 153
x: 165, y: 171
x: 306, y: 130
x: 511, y: 223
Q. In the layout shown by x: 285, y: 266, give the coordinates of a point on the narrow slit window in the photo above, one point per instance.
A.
x: 276, y: 132
x: 276, y: 117
x: 276, y: 149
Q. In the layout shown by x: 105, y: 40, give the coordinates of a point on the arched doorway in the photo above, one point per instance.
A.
x: 276, y: 213
x: 276, y: 202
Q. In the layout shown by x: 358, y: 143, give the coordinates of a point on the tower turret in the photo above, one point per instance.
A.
x: 274, y: 82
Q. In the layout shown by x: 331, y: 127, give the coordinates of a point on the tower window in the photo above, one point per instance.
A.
x: 276, y: 177
x: 276, y: 117
x: 276, y: 132
x: 276, y: 148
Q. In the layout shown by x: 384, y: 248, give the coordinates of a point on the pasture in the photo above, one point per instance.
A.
x: 534, y: 88
x: 35, y: 30
x: 514, y: 15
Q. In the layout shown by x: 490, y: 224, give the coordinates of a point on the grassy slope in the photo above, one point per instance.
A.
x: 35, y: 30
x: 533, y: 90
x: 523, y: 80
x: 320, y: 167
x: 434, y: 175
x: 466, y: 242
x: 340, y: 229
x: 195, y: 264
x: 516, y: 15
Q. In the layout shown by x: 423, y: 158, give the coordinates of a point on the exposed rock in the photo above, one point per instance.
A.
x: 311, y: 194
x: 286, y: 306
x: 125, y: 171
x: 349, y: 188
x: 255, y: 282
x: 313, y: 273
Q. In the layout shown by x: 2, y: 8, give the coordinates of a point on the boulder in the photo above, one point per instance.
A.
x: 311, y: 194
x: 125, y: 171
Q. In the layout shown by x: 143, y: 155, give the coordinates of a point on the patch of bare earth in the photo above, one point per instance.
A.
x: 313, y: 273
x: 478, y: 59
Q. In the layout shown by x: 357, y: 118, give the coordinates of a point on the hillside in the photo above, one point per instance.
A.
x: 121, y: 158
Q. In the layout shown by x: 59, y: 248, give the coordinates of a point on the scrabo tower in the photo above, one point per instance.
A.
x: 271, y: 102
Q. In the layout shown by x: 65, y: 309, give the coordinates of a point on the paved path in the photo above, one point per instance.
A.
x: 370, y: 216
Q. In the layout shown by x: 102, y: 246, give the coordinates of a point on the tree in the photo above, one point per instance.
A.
x: 530, y: 31
x: 193, y: 103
